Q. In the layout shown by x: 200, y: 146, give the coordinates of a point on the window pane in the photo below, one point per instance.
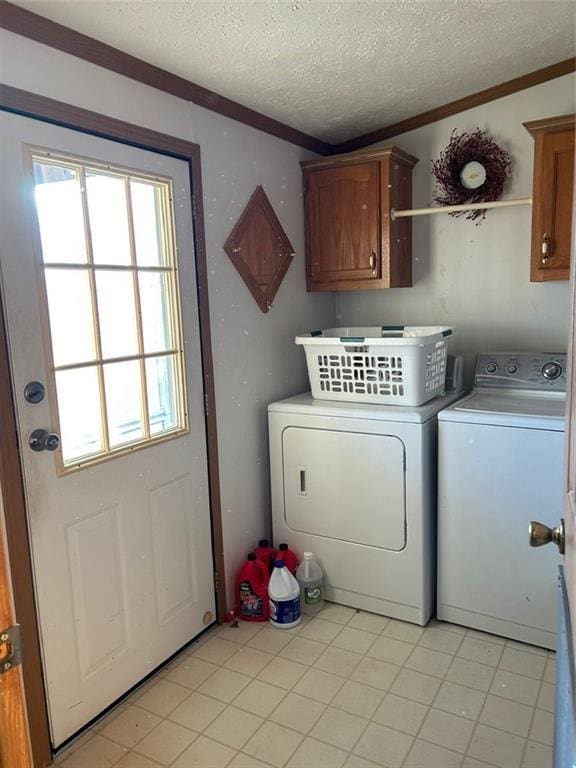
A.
x: 124, y: 402
x: 156, y: 320
x: 116, y: 313
x: 70, y: 309
x: 162, y: 393
x: 60, y: 217
x: 148, y: 232
x: 108, y: 218
x: 79, y: 411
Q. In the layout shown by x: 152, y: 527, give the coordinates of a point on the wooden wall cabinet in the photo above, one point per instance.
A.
x: 352, y: 243
x: 552, y: 195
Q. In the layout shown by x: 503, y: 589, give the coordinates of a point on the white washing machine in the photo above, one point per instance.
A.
x: 356, y: 484
x: 501, y: 466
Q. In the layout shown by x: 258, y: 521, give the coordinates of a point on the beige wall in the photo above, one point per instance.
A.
x: 255, y: 358
x: 476, y: 278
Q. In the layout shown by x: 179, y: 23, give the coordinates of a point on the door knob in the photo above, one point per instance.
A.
x: 540, y: 534
x: 42, y: 440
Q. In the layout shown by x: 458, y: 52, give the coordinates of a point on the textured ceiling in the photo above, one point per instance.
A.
x: 333, y: 69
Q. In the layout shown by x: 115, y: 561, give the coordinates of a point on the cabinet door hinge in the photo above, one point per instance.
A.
x: 10, y: 648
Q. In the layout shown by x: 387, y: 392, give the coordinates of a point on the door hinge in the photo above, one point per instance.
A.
x: 206, y: 408
x: 216, y: 582
x: 11, y: 641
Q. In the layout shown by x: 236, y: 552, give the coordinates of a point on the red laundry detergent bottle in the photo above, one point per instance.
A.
x: 265, y: 553
x: 252, y: 590
x: 290, y: 559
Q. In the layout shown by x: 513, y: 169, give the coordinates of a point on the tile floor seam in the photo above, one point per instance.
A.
x: 208, y: 695
x: 484, y: 694
x: 419, y: 643
x: 525, y: 738
x: 133, y: 749
x: 493, y: 669
x: 245, y: 754
x: 215, y: 738
x: 141, y: 737
x: 431, y: 706
x: 409, y: 735
x: 451, y: 749
x: 528, y: 737
x: 353, y: 747
x: 443, y: 678
x: 405, y: 764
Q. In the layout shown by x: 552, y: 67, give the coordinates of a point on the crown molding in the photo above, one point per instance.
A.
x: 460, y: 105
x: 42, y: 30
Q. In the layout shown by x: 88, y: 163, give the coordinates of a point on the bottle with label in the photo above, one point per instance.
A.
x: 310, y: 578
x: 289, y: 557
x: 252, y: 589
x: 265, y: 553
x: 284, y: 594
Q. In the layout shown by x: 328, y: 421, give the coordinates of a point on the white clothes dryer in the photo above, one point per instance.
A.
x: 500, y: 467
x: 356, y: 484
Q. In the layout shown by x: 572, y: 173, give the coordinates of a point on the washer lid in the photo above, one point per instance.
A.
x: 506, y: 409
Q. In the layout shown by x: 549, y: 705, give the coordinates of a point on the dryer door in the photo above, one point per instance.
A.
x: 346, y: 486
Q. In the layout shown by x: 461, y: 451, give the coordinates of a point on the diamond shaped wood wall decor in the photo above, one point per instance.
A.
x: 259, y: 249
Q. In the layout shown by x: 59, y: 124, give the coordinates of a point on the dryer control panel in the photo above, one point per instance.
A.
x: 541, y: 372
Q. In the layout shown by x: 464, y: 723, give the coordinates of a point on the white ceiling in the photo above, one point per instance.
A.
x: 333, y: 69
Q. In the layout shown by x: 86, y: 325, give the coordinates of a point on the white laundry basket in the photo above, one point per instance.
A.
x: 388, y: 365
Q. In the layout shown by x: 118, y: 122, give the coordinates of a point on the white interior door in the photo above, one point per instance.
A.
x: 565, y: 720
x: 99, y: 284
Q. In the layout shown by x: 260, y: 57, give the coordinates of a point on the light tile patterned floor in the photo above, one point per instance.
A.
x: 346, y: 689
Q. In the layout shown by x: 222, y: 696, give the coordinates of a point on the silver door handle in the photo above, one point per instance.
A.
x: 42, y: 440
x: 540, y: 534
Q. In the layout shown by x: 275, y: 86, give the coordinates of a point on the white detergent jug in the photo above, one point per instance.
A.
x: 310, y: 578
x: 284, y: 595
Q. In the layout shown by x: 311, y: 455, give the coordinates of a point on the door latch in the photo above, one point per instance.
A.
x: 10, y: 648
x: 42, y: 440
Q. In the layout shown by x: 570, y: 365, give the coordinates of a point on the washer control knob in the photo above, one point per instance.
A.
x: 551, y: 370
x: 491, y: 368
x: 512, y: 369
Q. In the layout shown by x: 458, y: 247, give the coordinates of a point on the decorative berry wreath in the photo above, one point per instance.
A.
x: 472, y: 169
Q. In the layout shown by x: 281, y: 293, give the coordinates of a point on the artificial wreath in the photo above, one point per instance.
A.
x: 472, y: 169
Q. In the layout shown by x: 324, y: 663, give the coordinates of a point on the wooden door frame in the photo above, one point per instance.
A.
x: 14, y: 740
x: 41, y: 108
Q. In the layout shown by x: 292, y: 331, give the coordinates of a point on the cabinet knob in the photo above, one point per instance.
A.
x: 545, y: 247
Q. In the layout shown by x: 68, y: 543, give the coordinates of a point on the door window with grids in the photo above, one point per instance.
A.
x: 110, y: 289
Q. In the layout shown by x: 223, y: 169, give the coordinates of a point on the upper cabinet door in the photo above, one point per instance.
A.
x: 344, y: 221
x: 352, y: 241
x: 552, y: 197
